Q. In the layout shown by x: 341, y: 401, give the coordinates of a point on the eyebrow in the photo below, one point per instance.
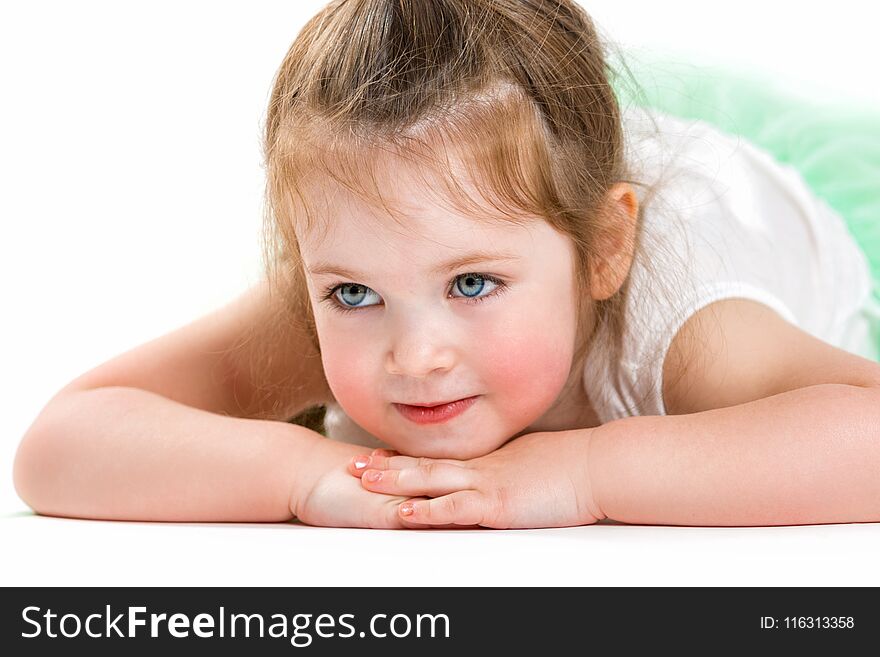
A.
x: 323, y: 268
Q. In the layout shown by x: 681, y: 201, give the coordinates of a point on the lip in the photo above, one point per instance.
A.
x: 433, y: 404
x: 435, y: 414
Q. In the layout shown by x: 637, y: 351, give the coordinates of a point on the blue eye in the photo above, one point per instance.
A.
x: 348, y: 297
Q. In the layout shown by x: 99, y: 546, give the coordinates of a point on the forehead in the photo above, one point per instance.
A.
x: 408, y: 210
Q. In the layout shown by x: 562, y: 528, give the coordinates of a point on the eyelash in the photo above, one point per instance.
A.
x: 329, y: 292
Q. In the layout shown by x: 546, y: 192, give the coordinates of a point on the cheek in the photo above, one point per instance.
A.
x: 532, y: 352
x: 527, y: 368
x: 349, y: 370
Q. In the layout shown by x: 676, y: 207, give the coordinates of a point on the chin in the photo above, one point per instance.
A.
x: 445, y: 449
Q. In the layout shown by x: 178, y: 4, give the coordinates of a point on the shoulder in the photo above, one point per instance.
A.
x: 736, y: 350
x: 728, y: 259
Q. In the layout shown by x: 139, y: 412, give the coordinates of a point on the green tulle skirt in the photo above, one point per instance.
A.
x: 834, y: 146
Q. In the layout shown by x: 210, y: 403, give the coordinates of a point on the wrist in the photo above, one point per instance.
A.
x: 315, y: 457
x: 593, y: 447
x: 300, y: 465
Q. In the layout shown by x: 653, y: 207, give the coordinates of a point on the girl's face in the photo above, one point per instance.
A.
x: 400, y: 326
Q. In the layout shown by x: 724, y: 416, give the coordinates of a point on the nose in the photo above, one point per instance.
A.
x: 418, y: 348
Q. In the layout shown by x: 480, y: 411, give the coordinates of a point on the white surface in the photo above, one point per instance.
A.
x: 131, y: 204
x: 83, y: 552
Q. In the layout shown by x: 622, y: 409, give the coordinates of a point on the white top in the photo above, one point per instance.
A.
x: 728, y: 221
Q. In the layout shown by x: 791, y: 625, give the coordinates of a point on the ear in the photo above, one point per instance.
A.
x: 620, y: 213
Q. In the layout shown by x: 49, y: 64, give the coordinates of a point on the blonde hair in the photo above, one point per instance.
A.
x: 514, y: 94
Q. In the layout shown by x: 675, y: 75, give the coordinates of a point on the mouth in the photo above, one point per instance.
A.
x: 433, y: 404
x: 434, y: 414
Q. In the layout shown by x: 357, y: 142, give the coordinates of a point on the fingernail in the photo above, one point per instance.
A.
x: 373, y: 475
x: 361, y: 462
x: 406, y: 509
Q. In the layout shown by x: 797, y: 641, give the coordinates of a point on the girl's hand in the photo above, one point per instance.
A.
x: 537, y: 480
x: 326, y: 495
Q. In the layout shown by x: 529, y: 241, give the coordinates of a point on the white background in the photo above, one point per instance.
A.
x: 131, y: 199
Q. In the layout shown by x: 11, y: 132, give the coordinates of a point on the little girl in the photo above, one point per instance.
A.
x: 542, y: 309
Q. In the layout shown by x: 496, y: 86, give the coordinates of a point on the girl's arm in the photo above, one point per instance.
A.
x: 805, y: 456
x: 121, y: 453
x: 770, y: 426
x: 128, y: 454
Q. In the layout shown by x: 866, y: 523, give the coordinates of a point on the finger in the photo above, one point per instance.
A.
x: 358, y: 464
x: 391, y: 519
x: 394, y: 520
x: 400, y: 462
x: 433, y: 480
x: 381, y: 451
x: 465, y: 507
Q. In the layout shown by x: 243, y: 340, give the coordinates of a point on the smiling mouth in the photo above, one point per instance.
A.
x: 436, y: 413
x: 432, y: 405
